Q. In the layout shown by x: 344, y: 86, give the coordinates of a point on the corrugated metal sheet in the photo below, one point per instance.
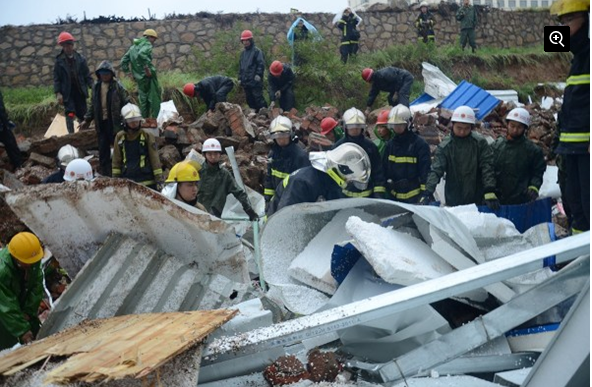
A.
x: 467, y: 94
x: 425, y: 97
x: 129, y: 277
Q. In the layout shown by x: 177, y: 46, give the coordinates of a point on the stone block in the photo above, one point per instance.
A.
x: 36, y: 158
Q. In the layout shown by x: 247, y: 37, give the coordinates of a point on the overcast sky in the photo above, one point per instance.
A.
x: 24, y: 12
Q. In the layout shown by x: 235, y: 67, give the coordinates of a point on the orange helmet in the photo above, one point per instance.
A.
x: 246, y: 34
x: 189, y: 89
x: 65, y: 37
x: 327, y: 125
x: 276, y: 68
x: 382, y: 117
x: 367, y: 74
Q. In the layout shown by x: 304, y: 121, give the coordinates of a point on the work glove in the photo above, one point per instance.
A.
x: 257, y: 78
x: 492, y: 201
x: 532, y: 194
x: 426, y: 198
x: 253, y: 217
x: 60, y: 98
x: 278, y: 94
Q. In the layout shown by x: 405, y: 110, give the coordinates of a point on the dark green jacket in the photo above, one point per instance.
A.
x: 467, y: 16
x: 215, y: 184
x: 117, y: 98
x: 139, y: 56
x: 468, y: 165
x: 519, y: 165
x: 17, y: 298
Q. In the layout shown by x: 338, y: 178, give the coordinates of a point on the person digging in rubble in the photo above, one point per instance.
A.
x: 78, y: 169
x: 108, y: 97
x: 281, y: 85
x: 331, y: 130
x: 467, y: 16
x: 66, y: 154
x: 382, y: 132
x: 135, y: 155
x: 574, y: 118
x: 390, y: 79
x: 7, y: 137
x: 519, y: 164
x: 285, y: 156
x: 250, y: 71
x: 355, y: 126
x: 21, y: 290
x: 211, y: 90
x: 183, y: 184
x: 138, y: 60
x: 406, y: 158
x: 330, y: 174
x: 71, y: 80
x: 467, y: 160
x: 425, y: 24
x: 217, y: 183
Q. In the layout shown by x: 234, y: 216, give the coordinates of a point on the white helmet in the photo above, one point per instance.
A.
x: 354, y: 118
x: 66, y: 154
x: 400, y: 114
x: 423, y: 4
x: 519, y: 115
x: 348, y: 163
x: 131, y: 112
x: 211, y: 145
x: 280, y: 127
x: 78, y: 169
x: 464, y: 114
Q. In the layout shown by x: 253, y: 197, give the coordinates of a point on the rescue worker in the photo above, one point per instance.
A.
x: 281, y: 85
x: 330, y: 174
x: 107, y: 99
x: 21, y: 289
x: 250, y: 71
x: 285, y: 156
x: 217, y: 183
x: 519, y: 164
x: 382, y: 132
x: 211, y: 90
x: 425, y: 24
x: 138, y: 61
x: 71, y: 80
x: 331, y: 132
x: 467, y: 160
x: 66, y: 154
x: 406, y: 158
x: 467, y: 16
x: 135, y: 155
x: 390, y: 79
x: 574, y: 117
x: 7, y: 137
x: 78, y: 169
x: 184, y: 181
x: 300, y: 35
x: 350, y: 36
x: 355, y: 126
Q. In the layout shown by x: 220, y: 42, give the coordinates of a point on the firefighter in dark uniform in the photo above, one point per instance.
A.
x: 281, y: 85
x: 250, y: 71
x: 211, y: 90
x: 390, y: 79
x: 350, y: 36
x: 425, y: 24
x: 406, y: 159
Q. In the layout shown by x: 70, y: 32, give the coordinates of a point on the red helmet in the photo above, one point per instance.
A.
x: 246, y: 34
x: 276, y: 68
x: 327, y: 125
x: 65, y: 37
x: 189, y: 89
x: 382, y: 117
x: 367, y: 74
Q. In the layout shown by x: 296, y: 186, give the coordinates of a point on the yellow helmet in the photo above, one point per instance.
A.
x: 151, y: 32
x: 26, y: 248
x: 182, y: 172
x: 563, y: 7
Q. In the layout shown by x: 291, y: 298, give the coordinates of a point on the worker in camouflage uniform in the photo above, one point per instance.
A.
x: 467, y: 16
x: 425, y: 24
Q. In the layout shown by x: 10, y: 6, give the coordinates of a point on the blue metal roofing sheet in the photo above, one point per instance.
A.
x: 425, y: 97
x: 467, y: 94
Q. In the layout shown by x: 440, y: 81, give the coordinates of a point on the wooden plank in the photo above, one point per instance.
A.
x: 58, y: 127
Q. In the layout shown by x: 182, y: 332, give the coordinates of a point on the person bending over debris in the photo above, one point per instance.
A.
x: 382, y: 131
x: 406, y: 159
x: 217, y: 183
x: 21, y: 289
x: 66, y: 154
x: 518, y: 163
x: 211, y: 90
x: 281, y: 85
x: 285, y: 156
x: 330, y: 174
x: 135, y: 156
x: 250, y: 71
x: 467, y: 160
x: 7, y: 137
x: 183, y: 184
x: 390, y: 79
x: 108, y: 97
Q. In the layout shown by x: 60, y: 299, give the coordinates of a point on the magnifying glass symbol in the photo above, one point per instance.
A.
x: 556, y: 38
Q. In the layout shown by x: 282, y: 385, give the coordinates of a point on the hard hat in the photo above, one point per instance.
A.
x: 189, y: 89
x: 367, y: 74
x: 327, y: 125
x: 349, y: 163
x: 276, y: 68
x: 563, y: 7
x: 354, y: 117
x: 151, y: 32
x: 280, y: 127
x: 65, y: 37
x: 519, y: 115
x: 182, y: 172
x: 131, y: 112
x: 423, y: 4
x: 26, y: 248
x: 78, y: 169
x: 463, y: 114
x: 382, y: 117
x: 66, y: 154
x: 246, y: 34
x: 399, y: 114
x: 211, y: 145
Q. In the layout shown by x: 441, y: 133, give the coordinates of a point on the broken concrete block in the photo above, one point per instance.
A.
x: 169, y: 156
x: 86, y: 139
x: 45, y: 161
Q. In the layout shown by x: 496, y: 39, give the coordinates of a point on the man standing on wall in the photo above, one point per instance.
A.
x: 467, y: 16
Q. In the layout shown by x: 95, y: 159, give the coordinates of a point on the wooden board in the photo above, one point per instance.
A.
x: 58, y: 127
x: 118, y: 347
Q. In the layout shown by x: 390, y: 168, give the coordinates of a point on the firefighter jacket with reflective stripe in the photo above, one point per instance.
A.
x: 406, y: 162
x: 389, y: 79
x: 349, y: 33
x: 519, y: 165
x: 574, y: 117
x: 135, y: 157
x: 281, y: 162
x: 215, y: 184
x: 425, y: 24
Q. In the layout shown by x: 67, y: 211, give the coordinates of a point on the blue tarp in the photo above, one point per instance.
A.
x: 313, y: 33
x: 467, y: 94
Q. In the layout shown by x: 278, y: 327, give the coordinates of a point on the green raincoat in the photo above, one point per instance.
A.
x: 215, y: 184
